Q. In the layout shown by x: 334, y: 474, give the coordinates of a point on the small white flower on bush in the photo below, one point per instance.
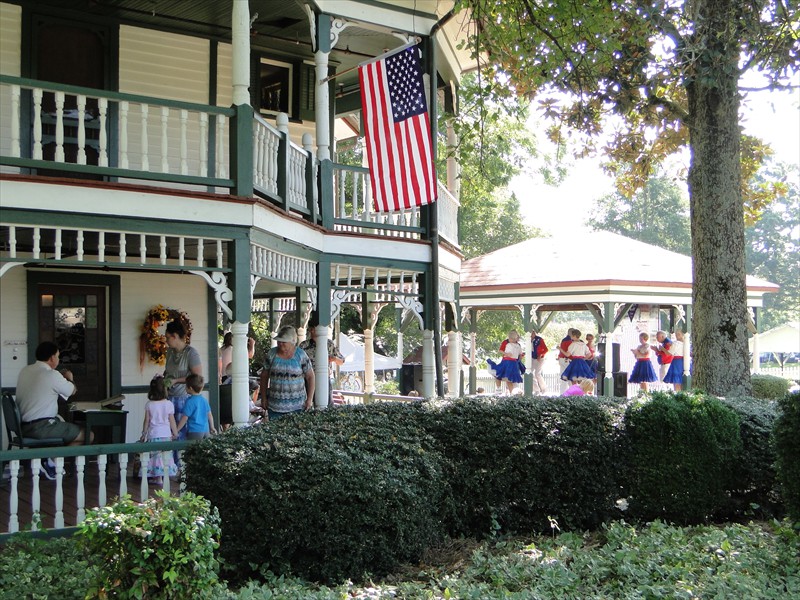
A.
x: 622, y: 504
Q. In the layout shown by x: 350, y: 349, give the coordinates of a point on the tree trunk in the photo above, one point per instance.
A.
x: 719, y: 325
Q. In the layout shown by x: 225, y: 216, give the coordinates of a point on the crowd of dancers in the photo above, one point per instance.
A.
x: 578, y: 362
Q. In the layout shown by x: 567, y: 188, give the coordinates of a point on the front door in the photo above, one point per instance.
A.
x: 75, y: 318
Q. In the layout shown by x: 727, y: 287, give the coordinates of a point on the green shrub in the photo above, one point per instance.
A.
x: 769, y: 387
x: 516, y: 462
x: 787, y: 448
x: 682, y: 451
x: 325, y: 495
x: 754, y: 487
x: 161, y: 548
x: 38, y: 569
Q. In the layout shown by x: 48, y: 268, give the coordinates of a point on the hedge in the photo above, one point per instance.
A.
x: 769, y: 387
x: 787, y: 446
x: 682, y: 452
x: 325, y: 495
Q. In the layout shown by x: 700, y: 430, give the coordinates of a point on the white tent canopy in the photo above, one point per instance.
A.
x: 353, y: 352
x: 782, y: 339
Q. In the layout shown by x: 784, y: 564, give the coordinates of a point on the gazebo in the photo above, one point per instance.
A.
x: 601, y: 272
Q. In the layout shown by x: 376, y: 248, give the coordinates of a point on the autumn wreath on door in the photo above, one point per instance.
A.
x: 152, y: 342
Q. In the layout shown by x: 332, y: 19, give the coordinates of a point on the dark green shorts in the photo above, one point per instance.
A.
x: 51, y: 428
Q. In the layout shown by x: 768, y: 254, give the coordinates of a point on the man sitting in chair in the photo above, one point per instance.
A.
x: 38, y: 388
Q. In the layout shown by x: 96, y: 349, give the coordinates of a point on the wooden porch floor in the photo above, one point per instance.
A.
x: 47, y: 493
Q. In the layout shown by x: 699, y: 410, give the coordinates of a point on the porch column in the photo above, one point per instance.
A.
x: 240, y: 388
x: 525, y: 342
x: 454, y: 361
x: 428, y: 366
x: 369, y: 362
x: 240, y: 43
x: 321, y: 367
x: 322, y: 104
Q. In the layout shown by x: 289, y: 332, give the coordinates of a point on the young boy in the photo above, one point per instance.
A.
x: 197, y: 415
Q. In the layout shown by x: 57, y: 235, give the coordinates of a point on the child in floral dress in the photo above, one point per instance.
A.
x: 159, y: 426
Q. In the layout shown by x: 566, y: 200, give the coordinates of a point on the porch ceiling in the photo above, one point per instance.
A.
x: 280, y: 26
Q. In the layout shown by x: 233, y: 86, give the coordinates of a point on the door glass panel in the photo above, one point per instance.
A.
x: 47, y: 300
x: 91, y: 300
x: 62, y: 300
x: 91, y: 318
x: 71, y: 334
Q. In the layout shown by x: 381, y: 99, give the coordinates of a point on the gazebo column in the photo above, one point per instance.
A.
x: 369, y: 361
x: 241, y: 314
x: 428, y: 366
x: 608, y: 358
x: 322, y: 331
x: 756, y: 367
x: 473, y: 338
x: 454, y: 361
x: 525, y: 342
x: 687, y: 350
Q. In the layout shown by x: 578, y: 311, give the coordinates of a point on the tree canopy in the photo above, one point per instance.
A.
x: 664, y: 74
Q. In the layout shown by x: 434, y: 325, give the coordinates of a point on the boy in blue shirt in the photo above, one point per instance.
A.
x: 197, y: 415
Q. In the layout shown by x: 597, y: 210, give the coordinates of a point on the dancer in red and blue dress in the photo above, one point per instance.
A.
x: 578, y: 353
x: 663, y: 353
x: 509, y: 369
x: 675, y: 373
x: 643, y: 372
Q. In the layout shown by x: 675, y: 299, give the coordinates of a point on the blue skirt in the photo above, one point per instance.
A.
x: 675, y: 373
x: 643, y: 372
x: 577, y: 367
x: 507, y: 370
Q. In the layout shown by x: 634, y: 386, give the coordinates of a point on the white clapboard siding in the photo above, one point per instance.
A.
x: 224, y: 75
x: 170, y: 66
x: 13, y: 328
x: 10, y: 45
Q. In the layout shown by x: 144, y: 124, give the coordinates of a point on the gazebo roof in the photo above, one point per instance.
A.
x: 566, y: 273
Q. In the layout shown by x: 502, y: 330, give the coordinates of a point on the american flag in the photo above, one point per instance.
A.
x: 397, y: 128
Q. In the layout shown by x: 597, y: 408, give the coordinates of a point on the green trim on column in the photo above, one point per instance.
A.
x: 112, y: 282
x: 239, y: 280
x: 324, y: 292
x: 242, y: 150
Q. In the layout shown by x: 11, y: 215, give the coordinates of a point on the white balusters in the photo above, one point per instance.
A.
x: 80, y: 492
x: 183, y: 146
x: 80, y: 245
x: 102, y: 460
x: 58, y: 518
x: 200, y: 251
x: 219, y: 254
x: 12, y: 241
x: 145, y: 109
x: 58, y: 243
x: 204, y: 144
x: 13, y: 501
x: 81, y: 103
x: 181, y: 250
x: 15, y: 142
x: 142, y: 249
x: 162, y: 249
x: 123, y: 253
x: 124, y: 107
x: 37, y: 124
x: 36, y: 498
x: 165, y: 456
x: 221, y: 126
x: 101, y: 246
x: 145, y: 459
x: 164, y: 139
x: 59, y: 154
x: 37, y: 242
x: 102, y: 159
x: 123, y: 474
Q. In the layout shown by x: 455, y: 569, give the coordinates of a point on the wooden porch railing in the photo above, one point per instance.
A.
x: 73, y: 130
x: 95, y: 474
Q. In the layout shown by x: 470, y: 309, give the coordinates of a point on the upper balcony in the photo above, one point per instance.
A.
x: 55, y: 129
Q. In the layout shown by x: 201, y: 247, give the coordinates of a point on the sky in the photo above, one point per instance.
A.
x: 772, y: 116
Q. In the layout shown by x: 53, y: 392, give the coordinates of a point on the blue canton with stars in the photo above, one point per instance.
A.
x: 406, y: 88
